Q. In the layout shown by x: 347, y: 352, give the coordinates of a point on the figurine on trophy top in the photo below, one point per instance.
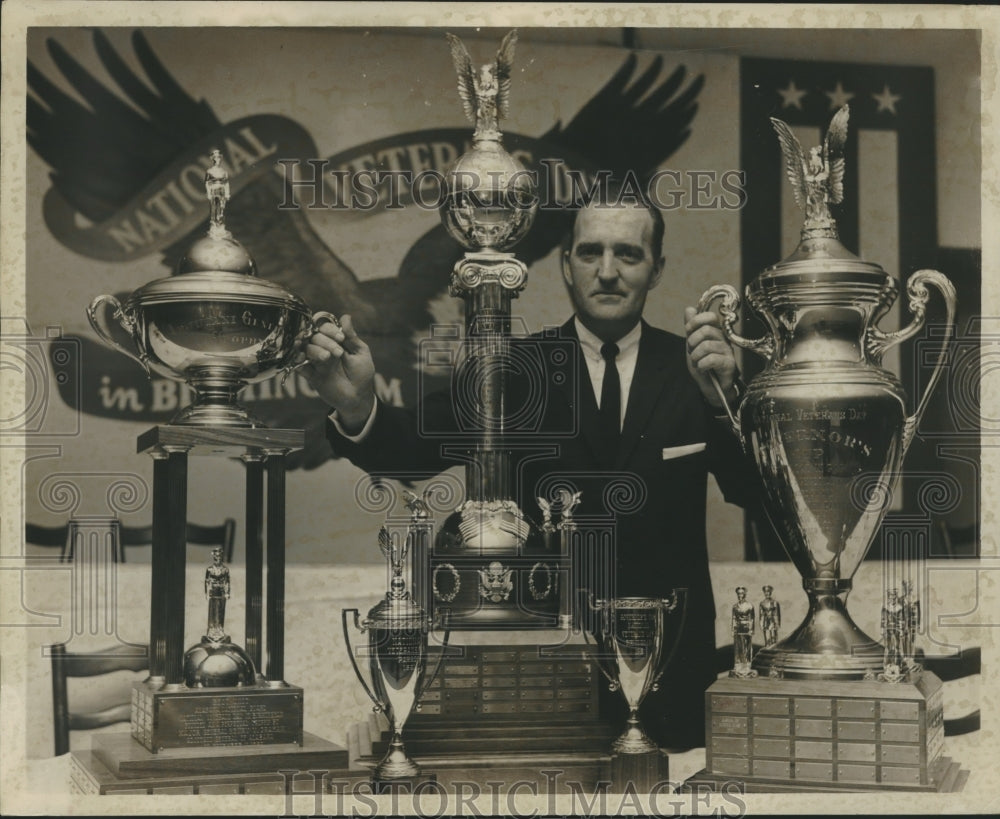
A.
x: 217, y: 186
x: 817, y: 180
x: 770, y: 616
x: 743, y: 628
x: 217, y: 661
x: 491, y: 198
x: 911, y: 611
x: 568, y: 501
x: 894, y: 628
x: 546, y: 507
x: 417, y: 505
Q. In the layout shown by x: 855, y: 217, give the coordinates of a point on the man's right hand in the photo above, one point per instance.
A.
x: 340, y: 368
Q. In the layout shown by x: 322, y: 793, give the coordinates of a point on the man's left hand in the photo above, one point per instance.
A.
x: 708, y: 352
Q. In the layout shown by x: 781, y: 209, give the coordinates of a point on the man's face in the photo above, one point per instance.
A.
x: 610, y: 267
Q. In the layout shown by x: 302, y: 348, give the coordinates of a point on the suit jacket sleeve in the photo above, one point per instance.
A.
x: 733, y: 469
x: 401, y: 440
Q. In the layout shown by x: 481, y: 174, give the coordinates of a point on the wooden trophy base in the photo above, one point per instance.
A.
x: 118, y: 764
x: 827, y: 735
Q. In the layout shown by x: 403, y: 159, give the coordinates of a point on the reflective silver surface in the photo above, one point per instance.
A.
x: 634, y: 648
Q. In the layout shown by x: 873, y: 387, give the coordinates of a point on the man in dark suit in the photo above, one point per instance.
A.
x: 642, y: 408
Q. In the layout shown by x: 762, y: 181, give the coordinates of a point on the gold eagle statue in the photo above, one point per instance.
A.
x: 485, y: 93
x: 817, y: 180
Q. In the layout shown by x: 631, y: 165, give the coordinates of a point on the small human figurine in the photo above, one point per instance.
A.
x: 770, y: 617
x: 217, y: 188
x: 217, y: 592
x: 743, y: 628
x: 893, y: 635
x: 911, y: 612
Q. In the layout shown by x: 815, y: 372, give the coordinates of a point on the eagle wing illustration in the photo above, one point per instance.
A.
x: 103, y: 150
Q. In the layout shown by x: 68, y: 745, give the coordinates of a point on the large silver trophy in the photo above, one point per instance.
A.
x: 635, y: 643
x: 214, y: 324
x: 826, y: 424
x: 397, y: 649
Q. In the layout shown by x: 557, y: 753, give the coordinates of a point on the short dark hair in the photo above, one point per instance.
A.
x: 615, y: 192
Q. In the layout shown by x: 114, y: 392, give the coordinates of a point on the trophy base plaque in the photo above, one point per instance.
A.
x: 116, y: 764
x: 777, y: 734
x: 164, y: 718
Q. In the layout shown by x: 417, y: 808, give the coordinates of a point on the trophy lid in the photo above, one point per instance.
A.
x: 218, y: 250
x: 396, y: 612
x: 218, y: 286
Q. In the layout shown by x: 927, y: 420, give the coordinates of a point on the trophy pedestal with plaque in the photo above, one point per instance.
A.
x: 774, y: 734
x: 208, y: 711
x: 215, y: 708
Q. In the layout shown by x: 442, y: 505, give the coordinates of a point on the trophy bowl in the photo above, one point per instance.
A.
x: 216, y: 330
x: 635, y: 646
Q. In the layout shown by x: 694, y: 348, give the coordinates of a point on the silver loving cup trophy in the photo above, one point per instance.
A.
x: 398, y: 631
x: 214, y: 324
x: 634, y: 648
x: 826, y: 425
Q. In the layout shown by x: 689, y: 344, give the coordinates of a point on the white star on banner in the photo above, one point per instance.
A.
x: 838, y: 97
x: 887, y: 100
x: 792, y: 95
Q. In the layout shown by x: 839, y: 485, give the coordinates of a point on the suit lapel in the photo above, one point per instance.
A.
x: 651, y: 369
x: 578, y: 392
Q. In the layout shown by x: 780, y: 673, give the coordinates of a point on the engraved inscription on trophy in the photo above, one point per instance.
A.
x: 230, y: 720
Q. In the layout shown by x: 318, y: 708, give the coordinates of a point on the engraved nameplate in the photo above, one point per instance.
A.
x: 226, y: 717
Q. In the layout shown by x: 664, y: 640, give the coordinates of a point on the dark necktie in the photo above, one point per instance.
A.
x: 611, y: 401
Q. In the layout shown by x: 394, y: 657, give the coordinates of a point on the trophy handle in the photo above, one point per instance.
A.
x: 763, y: 346
x: 350, y: 654
x: 613, y: 684
x: 437, y: 665
x: 879, y: 341
x: 318, y: 318
x: 96, y: 317
x: 677, y: 598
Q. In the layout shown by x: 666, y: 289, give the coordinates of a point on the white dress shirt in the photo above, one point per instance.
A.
x: 628, y: 354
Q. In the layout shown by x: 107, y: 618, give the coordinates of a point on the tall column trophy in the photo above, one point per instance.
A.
x: 218, y: 708
x: 490, y: 564
x: 828, y: 428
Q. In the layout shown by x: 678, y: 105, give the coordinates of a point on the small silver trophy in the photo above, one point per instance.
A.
x: 398, y: 632
x: 634, y: 649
